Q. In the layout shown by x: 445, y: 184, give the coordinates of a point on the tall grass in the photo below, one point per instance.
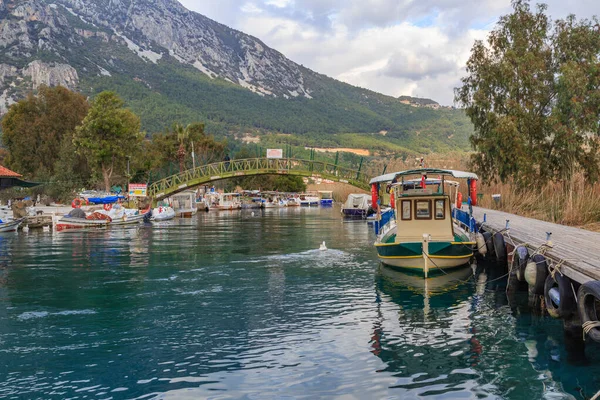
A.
x: 574, y: 203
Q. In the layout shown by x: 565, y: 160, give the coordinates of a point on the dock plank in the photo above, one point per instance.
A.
x: 578, y: 249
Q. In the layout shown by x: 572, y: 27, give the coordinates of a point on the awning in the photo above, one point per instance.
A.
x: 425, y: 171
x: 6, y: 183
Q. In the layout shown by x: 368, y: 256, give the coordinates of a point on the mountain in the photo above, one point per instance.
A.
x: 171, y: 64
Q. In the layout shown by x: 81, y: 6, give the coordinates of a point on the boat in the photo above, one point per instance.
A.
x: 423, y: 236
x: 292, y: 201
x: 309, y: 199
x: 229, y: 201
x: 357, y: 205
x: 184, y: 204
x: 10, y: 226
x: 270, y: 200
x: 162, y: 213
x: 77, y: 219
x: 326, y: 197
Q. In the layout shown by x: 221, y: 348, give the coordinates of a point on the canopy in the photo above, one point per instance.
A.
x: 105, y: 200
x: 358, y: 201
x: 425, y: 171
x: 6, y: 183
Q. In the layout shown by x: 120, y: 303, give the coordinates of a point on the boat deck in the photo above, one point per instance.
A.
x: 577, y: 249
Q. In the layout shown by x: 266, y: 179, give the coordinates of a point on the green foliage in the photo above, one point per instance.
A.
x: 280, y: 183
x: 169, y: 91
x: 36, y: 129
x: 532, y: 94
x: 108, y: 135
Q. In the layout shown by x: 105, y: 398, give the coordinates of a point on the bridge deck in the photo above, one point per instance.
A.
x: 578, y: 248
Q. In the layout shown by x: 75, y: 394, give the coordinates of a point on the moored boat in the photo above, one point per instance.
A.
x: 77, y: 219
x: 357, y: 205
x: 10, y: 226
x: 309, y: 199
x: 423, y: 236
x: 229, y: 201
x: 184, y: 204
x: 162, y: 213
x: 326, y: 197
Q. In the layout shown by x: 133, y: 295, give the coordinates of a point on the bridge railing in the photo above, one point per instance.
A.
x: 254, y: 166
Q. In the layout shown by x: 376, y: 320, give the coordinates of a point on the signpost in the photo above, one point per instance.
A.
x: 138, y: 190
x: 274, y: 153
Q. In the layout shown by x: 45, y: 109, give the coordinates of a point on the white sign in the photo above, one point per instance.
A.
x: 274, y: 153
x: 138, y: 190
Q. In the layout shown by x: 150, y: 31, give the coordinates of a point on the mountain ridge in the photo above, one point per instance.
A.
x: 173, y: 64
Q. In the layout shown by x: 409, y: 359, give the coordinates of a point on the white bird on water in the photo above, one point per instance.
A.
x: 322, y: 246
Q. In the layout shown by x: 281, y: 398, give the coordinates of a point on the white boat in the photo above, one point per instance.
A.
x: 309, y: 199
x: 10, y: 226
x: 292, y: 202
x: 357, y: 205
x: 81, y: 221
x: 270, y: 200
x: 162, y: 213
x: 229, y: 201
x: 184, y: 204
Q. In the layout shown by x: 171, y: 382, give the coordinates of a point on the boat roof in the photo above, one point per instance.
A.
x: 429, y: 181
x: 425, y: 171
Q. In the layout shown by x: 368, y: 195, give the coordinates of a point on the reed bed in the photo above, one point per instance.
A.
x: 575, y: 203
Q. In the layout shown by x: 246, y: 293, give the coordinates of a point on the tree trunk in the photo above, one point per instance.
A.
x: 106, y: 174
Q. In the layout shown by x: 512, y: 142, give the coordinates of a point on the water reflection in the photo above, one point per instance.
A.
x: 235, y: 305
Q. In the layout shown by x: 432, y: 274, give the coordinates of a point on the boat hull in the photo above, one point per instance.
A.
x: 10, y: 226
x: 354, y: 212
x: 410, y: 255
x: 80, y: 223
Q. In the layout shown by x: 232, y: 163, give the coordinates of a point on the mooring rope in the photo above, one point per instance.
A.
x: 596, y: 396
x: 588, y: 326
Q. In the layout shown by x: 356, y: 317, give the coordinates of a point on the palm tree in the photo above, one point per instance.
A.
x: 183, y: 133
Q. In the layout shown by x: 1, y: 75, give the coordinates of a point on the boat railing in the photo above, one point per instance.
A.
x: 383, y: 221
x: 464, y: 219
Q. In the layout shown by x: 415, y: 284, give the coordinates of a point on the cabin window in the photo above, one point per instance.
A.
x: 440, y: 209
x: 406, y: 210
x: 422, y: 209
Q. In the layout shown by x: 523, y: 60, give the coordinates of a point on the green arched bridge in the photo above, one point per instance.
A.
x: 255, y: 166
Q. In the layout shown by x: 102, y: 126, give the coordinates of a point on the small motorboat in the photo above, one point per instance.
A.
x: 10, y: 226
x: 162, y: 213
x: 78, y: 219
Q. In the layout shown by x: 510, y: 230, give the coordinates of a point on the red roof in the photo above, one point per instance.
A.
x: 7, y: 173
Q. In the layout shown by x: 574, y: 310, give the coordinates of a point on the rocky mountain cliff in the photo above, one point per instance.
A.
x: 173, y: 64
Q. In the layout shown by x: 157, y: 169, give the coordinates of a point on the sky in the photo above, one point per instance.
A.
x: 396, y: 47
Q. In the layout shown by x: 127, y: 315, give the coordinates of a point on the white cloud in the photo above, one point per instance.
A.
x: 413, y: 47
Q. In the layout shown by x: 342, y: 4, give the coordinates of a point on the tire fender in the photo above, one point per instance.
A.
x: 499, y: 248
x: 588, y: 298
x: 568, y: 305
x: 520, y: 258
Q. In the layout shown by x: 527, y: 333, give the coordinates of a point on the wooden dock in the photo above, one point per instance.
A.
x: 577, y: 250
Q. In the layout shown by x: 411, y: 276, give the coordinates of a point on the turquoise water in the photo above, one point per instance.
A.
x: 233, y: 305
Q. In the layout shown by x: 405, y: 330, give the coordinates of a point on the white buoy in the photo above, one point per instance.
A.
x: 322, y: 246
x: 252, y: 213
x: 46, y: 228
x: 26, y: 228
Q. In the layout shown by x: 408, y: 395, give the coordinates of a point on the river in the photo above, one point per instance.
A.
x: 237, y: 305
